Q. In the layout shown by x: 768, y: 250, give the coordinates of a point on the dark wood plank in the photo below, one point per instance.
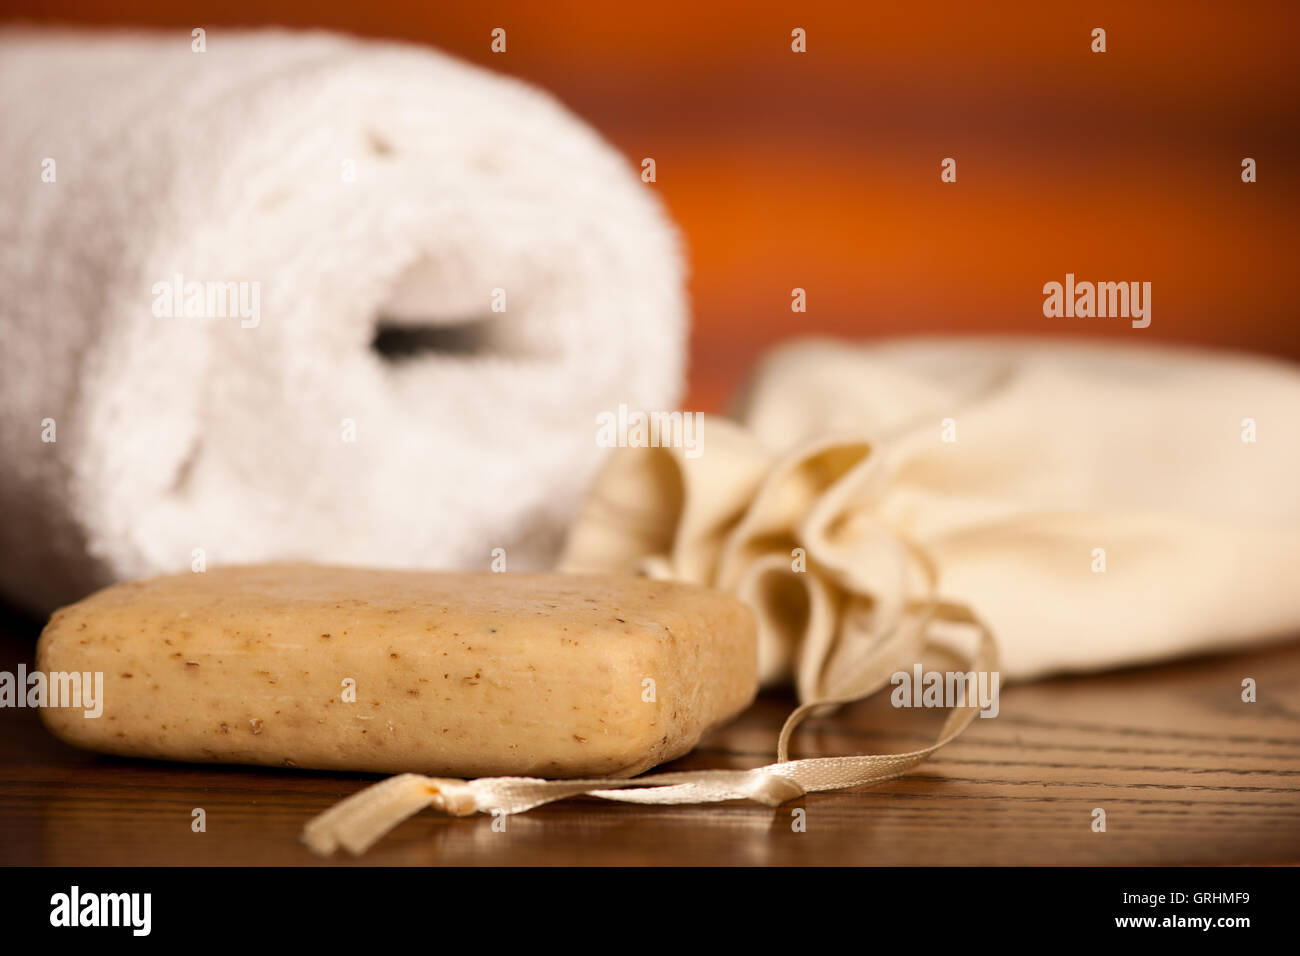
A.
x: 1186, y: 772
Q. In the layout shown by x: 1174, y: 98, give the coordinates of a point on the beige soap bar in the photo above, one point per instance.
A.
x: 459, y: 675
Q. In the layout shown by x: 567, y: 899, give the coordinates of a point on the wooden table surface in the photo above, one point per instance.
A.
x: 1186, y: 772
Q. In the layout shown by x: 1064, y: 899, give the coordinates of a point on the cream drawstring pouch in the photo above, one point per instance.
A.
x: 1091, y: 506
x: 1096, y: 505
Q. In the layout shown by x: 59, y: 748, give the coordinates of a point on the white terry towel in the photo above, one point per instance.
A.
x: 345, y: 183
x: 1094, y: 505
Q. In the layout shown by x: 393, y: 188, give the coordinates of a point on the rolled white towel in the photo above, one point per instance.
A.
x: 350, y: 192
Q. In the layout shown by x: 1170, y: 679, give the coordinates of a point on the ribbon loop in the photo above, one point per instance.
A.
x: 453, y: 797
x: 360, y: 820
x: 773, y: 789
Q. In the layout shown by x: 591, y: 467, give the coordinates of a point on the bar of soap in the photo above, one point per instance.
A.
x: 462, y: 675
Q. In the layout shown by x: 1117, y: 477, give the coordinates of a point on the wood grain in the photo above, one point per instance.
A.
x: 1187, y: 774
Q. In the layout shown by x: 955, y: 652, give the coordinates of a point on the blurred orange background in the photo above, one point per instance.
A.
x: 821, y: 170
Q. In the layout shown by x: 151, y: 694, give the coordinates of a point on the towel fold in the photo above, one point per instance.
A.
x: 1095, y: 505
x: 301, y: 296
